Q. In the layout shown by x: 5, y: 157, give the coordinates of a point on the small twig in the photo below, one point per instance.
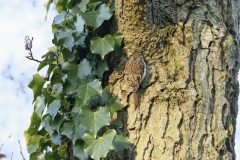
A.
x: 11, y: 155
x: 21, y: 150
x: 5, y: 142
x: 28, y: 46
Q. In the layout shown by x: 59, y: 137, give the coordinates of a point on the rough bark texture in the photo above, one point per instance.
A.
x: 188, y: 102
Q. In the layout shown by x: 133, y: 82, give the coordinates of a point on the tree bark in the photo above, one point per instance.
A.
x: 188, y: 101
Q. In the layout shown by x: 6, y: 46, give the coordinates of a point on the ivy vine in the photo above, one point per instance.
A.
x: 72, y: 109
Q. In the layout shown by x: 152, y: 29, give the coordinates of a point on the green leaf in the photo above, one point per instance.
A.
x: 78, y: 150
x: 114, y: 105
x: 69, y: 86
x: 53, y: 108
x: 47, y: 96
x: 39, y: 105
x: 100, y: 147
x: 96, y: 18
x: 57, y: 88
x: 56, y: 123
x: 36, y: 85
x: 118, y: 37
x: 35, y: 124
x: 53, y: 49
x: 58, y: 76
x: 86, y: 90
x: 102, y: 46
x: 83, y: 5
x: 94, y: 120
x: 49, y: 58
x: 56, y: 138
x: 80, y: 38
x: 45, y: 123
x: 49, y: 124
x: 101, y: 68
x: 32, y: 142
x: 59, y: 8
x: 72, y: 69
x: 62, y: 151
x: 67, y: 54
x: 120, y: 142
x: 79, y: 102
x: 84, y: 68
x: 64, y: 33
x: 72, y: 130
x: 59, y: 18
x: 47, y: 5
x: 79, y: 24
x: 103, y: 99
x: 68, y: 42
x: 37, y: 156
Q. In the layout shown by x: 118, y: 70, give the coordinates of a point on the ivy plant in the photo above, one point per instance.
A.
x: 72, y: 108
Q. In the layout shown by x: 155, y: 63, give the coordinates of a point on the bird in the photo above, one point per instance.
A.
x: 135, y: 72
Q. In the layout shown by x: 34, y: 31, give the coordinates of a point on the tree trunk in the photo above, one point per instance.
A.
x: 188, y: 101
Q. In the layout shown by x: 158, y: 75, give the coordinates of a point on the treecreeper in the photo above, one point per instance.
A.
x: 135, y: 72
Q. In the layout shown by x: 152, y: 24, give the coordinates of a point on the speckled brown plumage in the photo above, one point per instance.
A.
x: 135, y: 72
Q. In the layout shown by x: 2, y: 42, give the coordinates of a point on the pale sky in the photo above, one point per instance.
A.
x: 19, y: 18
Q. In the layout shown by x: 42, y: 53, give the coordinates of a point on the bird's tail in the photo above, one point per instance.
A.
x: 135, y: 99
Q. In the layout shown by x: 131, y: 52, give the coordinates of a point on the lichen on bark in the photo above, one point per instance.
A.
x: 188, y: 101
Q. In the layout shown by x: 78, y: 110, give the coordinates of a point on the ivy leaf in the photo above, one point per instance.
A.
x: 56, y: 138
x: 62, y: 151
x: 49, y: 124
x: 39, y: 105
x: 32, y: 142
x: 100, y: 147
x: 94, y: 120
x: 118, y: 37
x: 59, y: 75
x: 64, y: 33
x: 72, y: 130
x: 37, y: 156
x: 96, y: 18
x: 48, y: 59
x: 35, y: 124
x: 69, y: 86
x: 47, y: 5
x: 84, y: 68
x: 56, y: 123
x: 101, y: 68
x: 120, y: 142
x: 45, y: 123
x: 67, y: 55
x: 102, y: 46
x: 36, y: 85
x: 78, y: 150
x: 86, y: 90
x: 57, y: 88
x: 80, y: 38
x: 114, y: 105
x: 53, y: 108
x: 79, y: 24
x: 83, y: 5
x: 72, y: 68
x: 105, y: 96
x: 79, y: 102
x: 59, y: 18
x: 68, y: 42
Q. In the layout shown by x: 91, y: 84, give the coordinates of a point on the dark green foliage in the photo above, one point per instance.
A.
x: 71, y: 105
